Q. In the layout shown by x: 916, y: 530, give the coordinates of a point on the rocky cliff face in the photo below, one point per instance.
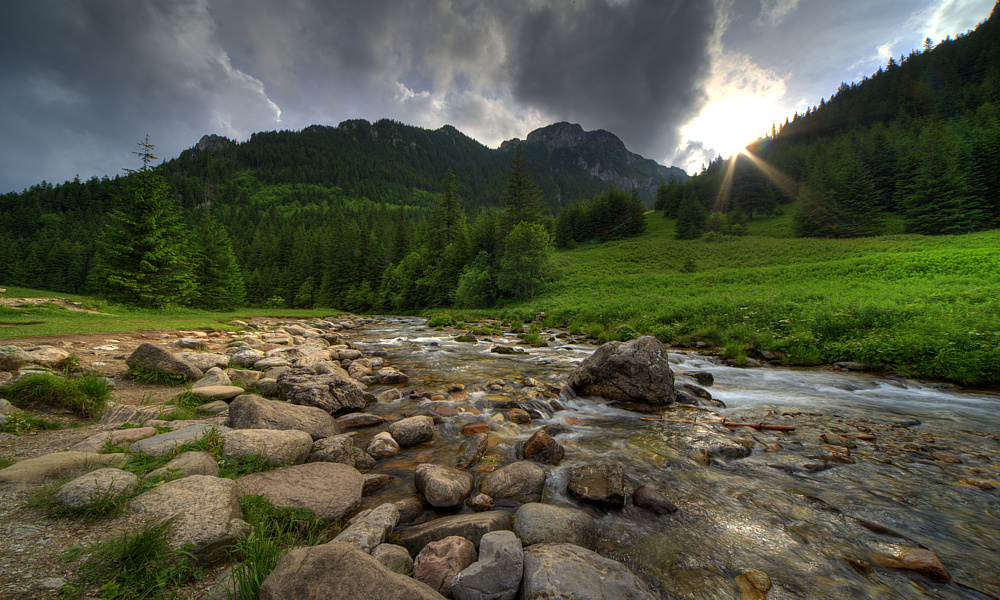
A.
x: 213, y: 142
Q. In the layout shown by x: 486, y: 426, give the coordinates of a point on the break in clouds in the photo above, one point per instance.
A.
x: 84, y: 81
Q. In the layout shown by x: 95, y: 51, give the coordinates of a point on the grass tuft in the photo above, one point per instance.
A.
x: 153, y: 376
x: 22, y: 422
x: 86, y: 396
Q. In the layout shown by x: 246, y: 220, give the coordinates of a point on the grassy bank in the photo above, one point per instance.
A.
x: 54, y: 319
x: 920, y: 306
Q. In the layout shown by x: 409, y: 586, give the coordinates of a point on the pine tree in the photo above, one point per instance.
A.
x: 522, y: 197
x: 219, y: 279
x: 691, y: 217
x: 144, y: 258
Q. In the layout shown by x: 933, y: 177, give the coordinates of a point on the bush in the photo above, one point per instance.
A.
x: 86, y: 396
x: 440, y: 320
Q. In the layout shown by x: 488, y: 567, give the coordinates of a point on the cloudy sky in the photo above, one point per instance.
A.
x: 81, y: 81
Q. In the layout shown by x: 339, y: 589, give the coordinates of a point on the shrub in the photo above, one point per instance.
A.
x: 440, y: 320
x: 86, y: 396
x: 153, y: 376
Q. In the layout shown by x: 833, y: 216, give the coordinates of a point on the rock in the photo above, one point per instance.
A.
x: 753, y: 585
x: 925, y: 562
x: 370, y: 528
x: 275, y: 447
x: 333, y: 392
x: 507, y: 350
x: 633, y: 371
x: 480, y: 503
x: 271, y: 362
x: 850, y: 366
x: 359, y: 419
x: 653, y: 500
x: 522, y: 481
x: 359, y: 368
x: 186, y: 464
x: 55, y: 466
x: 337, y: 570
x: 412, y: 431
x: 363, y: 461
x: 244, y: 377
x: 155, y: 358
x: 470, y: 526
x: 441, y: 486
x: 410, y: 508
x: 246, y: 356
x: 213, y: 377
x: 536, y: 523
x: 97, y: 486
x: 471, y: 451
x: 390, y: 395
x: 117, y: 416
x: 474, y: 428
x: 217, y: 392
x: 164, y: 443
x: 393, y: 557
x: 946, y: 458
x: 705, y: 377
x: 336, y: 448
x: 98, y: 441
x: 13, y: 358
x: 215, y: 407
x: 268, y: 386
x: 392, y: 376
x: 253, y: 412
x: 497, y: 573
x: 6, y: 408
x: 603, y: 485
x: 542, y: 448
x: 206, y: 512
x: 49, y: 356
x: 330, y: 490
x: 374, y: 482
x: 519, y: 416
x: 568, y: 571
x: 207, y: 360
x: 439, y: 562
x: 382, y: 446
x: 192, y: 343
x: 466, y: 337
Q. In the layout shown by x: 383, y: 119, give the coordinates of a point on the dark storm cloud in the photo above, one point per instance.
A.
x: 634, y: 68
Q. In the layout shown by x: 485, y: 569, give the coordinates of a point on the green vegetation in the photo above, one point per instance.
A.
x: 22, y: 422
x: 153, y: 376
x: 86, y: 396
x: 5, y: 462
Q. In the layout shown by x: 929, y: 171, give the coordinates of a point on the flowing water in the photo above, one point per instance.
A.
x: 813, y: 521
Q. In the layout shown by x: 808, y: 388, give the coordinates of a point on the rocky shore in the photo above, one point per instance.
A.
x: 472, y: 490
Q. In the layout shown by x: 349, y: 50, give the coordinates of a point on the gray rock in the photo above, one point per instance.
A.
x: 382, y: 446
x: 268, y: 386
x: 393, y: 557
x: 412, y: 430
x: 192, y: 343
x: 215, y: 407
x: 359, y: 419
x: 213, y: 376
x: 48, y: 356
x: 253, y: 412
x: 98, y: 441
x: 205, y: 509
x: 6, y: 408
x: 370, y: 528
x: 13, y: 358
x: 188, y: 463
x: 246, y: 356
x: 392, y: 376
x: 336, y: 448
x: 100, y: 485
x: 56, y: 465
x: 472, y: 450
x: 568, y: 571
x: 116, y: 416
x: 364, y: 461
x: 337, y: 570
x: 276, y: 447
x: 271, y: 362
x: 439, y: 562
x: 330, y: 490
x: 497, y: 573
x: 441, y: 486
x: 603, y: 485
x: 522, y: 481
x: 207, y: 360
x: 633, y: 371
x: 244, y: 377
x: 374, y: 482
x: 536, y: 523
x: 155, y: 358
x: 217, y: 392
x: 470, y: 526
x: 164, y: 443
x: 332, y: 392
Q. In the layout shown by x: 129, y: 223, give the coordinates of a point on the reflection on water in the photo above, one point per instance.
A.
x: 776, y: 510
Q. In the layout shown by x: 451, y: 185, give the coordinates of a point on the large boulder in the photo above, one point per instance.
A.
x: 124, y: 414
x: 49, y: 356
x: 207, y: 360
x: 336, y: 448
x: 334, y: 392
x: 370, y: 528
x: 164, y: 443
x: 497, y: 573
x: 330, y: 490
x: 633, y: 371
x: 97, y: 486
x: 471, y: 526
x: 338, y: 570
x: 154, y: 358
x: 523, y: 481
x: 56, y: 465
x: 13, y: 358
x: 443, y: 487
x: 412, y: 430
x: 569, y: 571
x: 603, y: 485
x: 439, y: 562
x: 205, y: 509
x: 253, y: 412
x: 536, y: 523
x: 276, y: 447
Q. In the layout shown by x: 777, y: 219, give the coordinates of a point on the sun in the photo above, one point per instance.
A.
x: 727, y: 125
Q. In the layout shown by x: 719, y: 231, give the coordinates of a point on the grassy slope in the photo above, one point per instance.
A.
x: 922, y: 306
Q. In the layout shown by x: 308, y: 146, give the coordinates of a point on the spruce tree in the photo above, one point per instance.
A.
x: 144, y: 257
x: 218, y: 277
x: 691, y: 217
x: 522, y: 197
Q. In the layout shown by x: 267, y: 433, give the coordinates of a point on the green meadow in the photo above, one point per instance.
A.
x: 916, y: 305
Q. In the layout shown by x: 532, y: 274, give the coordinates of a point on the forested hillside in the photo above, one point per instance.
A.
x: 318, y: 217
x: 919, y: 139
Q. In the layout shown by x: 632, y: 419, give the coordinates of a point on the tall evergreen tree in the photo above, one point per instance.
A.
x: 219, y: 279
x: 144, y: 256
x: 691, y: 217
x: 522, y: 197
